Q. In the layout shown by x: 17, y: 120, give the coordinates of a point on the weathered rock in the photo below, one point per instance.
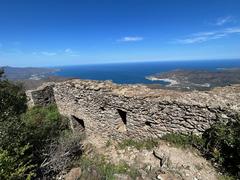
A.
x: 42, y: 97
x: 161, y: 156
x: 74, y: 174
x: 121, y: 177
x: 135, y: 111
x: 185, y: 163
x: 159, y: 177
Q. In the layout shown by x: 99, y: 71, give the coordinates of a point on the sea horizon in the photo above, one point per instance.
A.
x: 136, y: 73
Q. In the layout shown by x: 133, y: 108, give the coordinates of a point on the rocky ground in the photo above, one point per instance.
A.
x: 164, y: 162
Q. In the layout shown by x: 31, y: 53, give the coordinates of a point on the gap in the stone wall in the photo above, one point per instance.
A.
x: 79, y: 121
x: 123, y: 115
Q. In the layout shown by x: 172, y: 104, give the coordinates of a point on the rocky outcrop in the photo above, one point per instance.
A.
x: 135, y: 111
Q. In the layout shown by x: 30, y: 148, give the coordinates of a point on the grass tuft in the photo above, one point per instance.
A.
x: 183, y: 141
x: 105, y: 169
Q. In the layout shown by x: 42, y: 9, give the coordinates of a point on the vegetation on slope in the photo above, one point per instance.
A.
x: 140, y: 144
x: 97, y: 167
x: 31, y: 139
x: 220, y: 144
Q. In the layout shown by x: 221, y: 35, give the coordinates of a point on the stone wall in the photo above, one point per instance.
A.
x: 135, y: 111
x: 42, y: 96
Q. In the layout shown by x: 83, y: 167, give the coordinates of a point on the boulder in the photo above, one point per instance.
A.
x: 161, y: 156
x: 74, y: 174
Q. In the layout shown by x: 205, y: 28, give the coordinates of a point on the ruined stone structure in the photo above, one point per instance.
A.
x: 135, y: 111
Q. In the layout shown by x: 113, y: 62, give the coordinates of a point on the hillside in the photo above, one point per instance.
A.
x: 198, y: 79
x: 127, y: 129
x: 18, y: 73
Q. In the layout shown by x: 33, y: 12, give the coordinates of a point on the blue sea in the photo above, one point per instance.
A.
x: 132, y: 73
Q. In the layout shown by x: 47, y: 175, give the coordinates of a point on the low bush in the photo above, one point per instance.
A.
x: 61, y: 153
x: 223, y: 145
x: 98, y: 167
x: 43, y: 124
x: 16, y: 164
x: 184, y: 140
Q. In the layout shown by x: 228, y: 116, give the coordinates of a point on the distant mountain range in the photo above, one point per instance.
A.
x: 17, y: 73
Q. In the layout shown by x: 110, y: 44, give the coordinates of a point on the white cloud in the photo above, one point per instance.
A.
x: 68, y: 50
x: 233, y: 30
x: 224, y: 20
x: 45, y: 53
x: 131, y: 39
x: 206, y: 36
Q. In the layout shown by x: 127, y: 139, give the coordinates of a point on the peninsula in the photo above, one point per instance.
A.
x: 197, y: 79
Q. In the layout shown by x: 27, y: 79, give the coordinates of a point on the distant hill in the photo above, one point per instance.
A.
x: 17, y: 73
x: 198, y: 79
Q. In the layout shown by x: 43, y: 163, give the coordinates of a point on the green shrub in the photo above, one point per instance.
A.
x: 15, y: 153
x: 16, y: 164
x: 43, y: 127
x: 43, y: 123
x: 12, y: 104
x: 226, y: 177
x: 138, y: 144
x: 223, y: 145
x: 104, y: 169
x: 13, y: 99
x: 184, y: 140
x: 25, y: 135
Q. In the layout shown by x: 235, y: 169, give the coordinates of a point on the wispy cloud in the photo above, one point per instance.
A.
x: 68, y: 50
x: 131, y: 39
x: 65, y: 52
x: 207, y: 36
x: 224, y: 20
x: 45, y: 53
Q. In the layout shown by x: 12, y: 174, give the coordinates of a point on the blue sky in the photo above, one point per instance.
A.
x: 68, y: 32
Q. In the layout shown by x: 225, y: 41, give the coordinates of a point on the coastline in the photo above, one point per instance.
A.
x: 167, y: 80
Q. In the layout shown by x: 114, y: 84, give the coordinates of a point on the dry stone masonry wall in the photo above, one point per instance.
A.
x: 135, y: 111
x: 42, y: 97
